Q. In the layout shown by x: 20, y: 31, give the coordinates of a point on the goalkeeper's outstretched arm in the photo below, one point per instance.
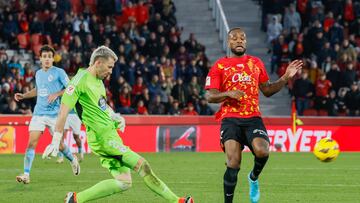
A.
x: 53, y: 148
x: 61, y: 119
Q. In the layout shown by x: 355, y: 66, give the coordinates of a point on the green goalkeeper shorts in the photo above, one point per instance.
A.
x: 114, y: 155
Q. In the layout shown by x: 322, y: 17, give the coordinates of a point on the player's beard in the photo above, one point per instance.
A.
x: 238, y: 53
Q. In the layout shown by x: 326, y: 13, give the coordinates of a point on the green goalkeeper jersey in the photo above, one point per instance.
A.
x: 87, y: 95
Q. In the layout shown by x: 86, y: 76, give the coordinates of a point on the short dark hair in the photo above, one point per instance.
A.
x: 47, y: 48
x: 235, y: 28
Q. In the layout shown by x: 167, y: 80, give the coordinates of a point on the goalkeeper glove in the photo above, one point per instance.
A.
x: 53, y: 148
x: 117, y: 118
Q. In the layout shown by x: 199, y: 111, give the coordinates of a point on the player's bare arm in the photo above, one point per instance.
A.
x: 215, y: 96
x: 270, y: 88
x: 53, y: 97
x: 30, y: 94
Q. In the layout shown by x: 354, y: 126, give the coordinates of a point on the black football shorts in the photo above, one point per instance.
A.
x: 243, y: 130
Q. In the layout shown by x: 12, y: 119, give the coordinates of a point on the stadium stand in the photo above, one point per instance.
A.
x: 156, y: 72
x: 154, y: 62
x: 326, y: 36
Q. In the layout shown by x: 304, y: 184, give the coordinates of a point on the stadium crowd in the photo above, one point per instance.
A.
x: 326, y: 36
x: 156, y: 72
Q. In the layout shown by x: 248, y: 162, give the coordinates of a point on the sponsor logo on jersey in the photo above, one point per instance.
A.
x: 207, y: 81
x: 102, y: 103
x: 70, y: 89
x: 50, y: 78
x: 240, y: 77
x: 42, y: 92
x: 240, y: 65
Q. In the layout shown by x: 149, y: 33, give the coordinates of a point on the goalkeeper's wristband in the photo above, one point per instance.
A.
x: 56, y: 138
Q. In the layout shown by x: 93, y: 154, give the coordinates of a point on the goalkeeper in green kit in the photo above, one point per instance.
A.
x: 86, y: 93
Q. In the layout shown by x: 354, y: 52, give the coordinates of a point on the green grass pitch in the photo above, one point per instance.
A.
x: 288, y: 177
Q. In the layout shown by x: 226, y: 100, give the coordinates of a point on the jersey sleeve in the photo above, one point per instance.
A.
x: 213, y: 79
x: 263, y: 76
x: 64, y: 79
x: 71, y: 95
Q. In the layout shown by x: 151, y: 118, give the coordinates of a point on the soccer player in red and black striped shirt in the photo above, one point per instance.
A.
x: 235, y: 82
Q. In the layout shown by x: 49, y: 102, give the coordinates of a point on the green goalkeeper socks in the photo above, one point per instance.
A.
x: 102, y: 189
x: 156, y: 185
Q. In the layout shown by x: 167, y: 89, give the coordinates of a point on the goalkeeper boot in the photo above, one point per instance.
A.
x: 75, y: 166
x: 70, y: 197
x: 254, y: 190
x: 24, y: 178
x: 186, y: 200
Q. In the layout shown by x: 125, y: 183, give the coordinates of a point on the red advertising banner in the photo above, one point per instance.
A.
x: 183, y: 136
x: 200, y: 138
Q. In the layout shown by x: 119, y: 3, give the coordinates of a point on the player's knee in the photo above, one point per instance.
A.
x: 233, y: 162
x: 145, y: 169
x: 124, y: 184
x: 32, y: 144
x: 261, y: 152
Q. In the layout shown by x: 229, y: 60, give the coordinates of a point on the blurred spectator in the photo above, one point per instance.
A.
x: 154, y: 86
x: 191, y: 44
x: 125, y: 101
x: 3, y: 65
x: 5, y: 96
x: 190, y: 110
x: 322, y: 87
x: 204, y: 108
x: 175, y: 109
x: 292, y: 19
x: 179, y: 92
x: 11, y: 29
x: 314, y: 71
x: 349, y: 14
x: 336, y: 33
x: 332, y: 106
x: 303, y: 91
x: 341, y: 100
x: 349, y: 75
x: 156, y: 107
x: 274, y: 29
x: 142, y: 13
x: 141, y: 108
x: 138, y: 87
x: 36, y: 26
x: 334, y: 76
x: 329, y: 21
x: 352, y: 100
